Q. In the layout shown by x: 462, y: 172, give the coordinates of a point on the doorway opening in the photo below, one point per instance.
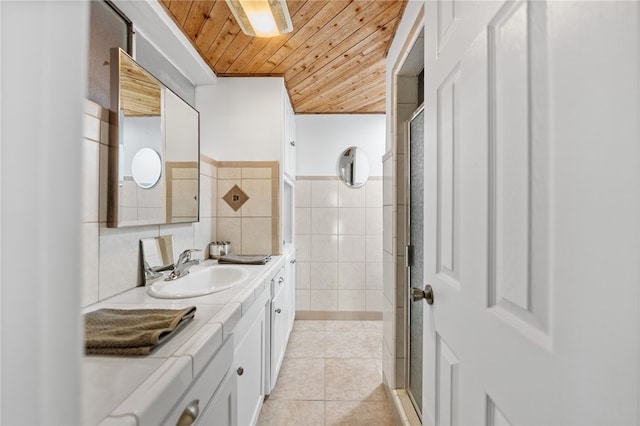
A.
x: 408, y: 152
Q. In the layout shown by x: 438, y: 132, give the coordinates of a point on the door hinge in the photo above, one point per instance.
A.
x: 408, y: 255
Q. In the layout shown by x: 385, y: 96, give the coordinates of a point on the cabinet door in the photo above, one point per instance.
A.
x: 290, y: 141
x: 290, y: 282
x: 221, y: 411
x: 250, y: 372
x: 279, y: 332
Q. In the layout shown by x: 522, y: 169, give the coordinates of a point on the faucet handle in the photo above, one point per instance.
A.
x: 186, y: 255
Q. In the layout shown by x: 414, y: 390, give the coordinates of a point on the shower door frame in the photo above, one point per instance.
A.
x: 409, y: 261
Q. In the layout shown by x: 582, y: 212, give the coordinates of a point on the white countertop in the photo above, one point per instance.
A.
x: 115, y: 386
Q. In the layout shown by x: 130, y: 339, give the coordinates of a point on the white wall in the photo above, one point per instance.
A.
x: 338, y: 228
x: 321, y: 138
x: 43, y: 85
x: 242, y: 118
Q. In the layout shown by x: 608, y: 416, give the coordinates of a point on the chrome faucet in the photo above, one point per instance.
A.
x: 182, y: 265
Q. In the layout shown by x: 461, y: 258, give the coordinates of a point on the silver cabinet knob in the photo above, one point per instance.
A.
x: 419, y: 294
x: 280, y: 280
x: 278, y: 311
x: 240, y: 371
x: 189, y: 414
x: 292, y: 261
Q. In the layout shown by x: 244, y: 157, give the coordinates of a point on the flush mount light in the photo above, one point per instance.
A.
x: 261, y: 18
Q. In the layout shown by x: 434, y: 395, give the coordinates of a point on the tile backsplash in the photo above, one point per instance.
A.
x: 252, y: 228
x: 110, y: 255
x: 338, y: 245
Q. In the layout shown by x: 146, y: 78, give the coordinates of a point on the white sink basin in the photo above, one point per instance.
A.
x: 199, y: 282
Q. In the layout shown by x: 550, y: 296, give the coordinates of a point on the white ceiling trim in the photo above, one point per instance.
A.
x: 151, y: 20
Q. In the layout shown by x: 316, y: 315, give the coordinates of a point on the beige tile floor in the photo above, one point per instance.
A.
x: 331, y: 375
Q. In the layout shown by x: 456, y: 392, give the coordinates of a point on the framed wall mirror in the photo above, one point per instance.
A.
x: 154, y: 150
x: 353, y: 167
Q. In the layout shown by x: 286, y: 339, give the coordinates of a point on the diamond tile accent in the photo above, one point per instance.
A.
x: 235, y: 197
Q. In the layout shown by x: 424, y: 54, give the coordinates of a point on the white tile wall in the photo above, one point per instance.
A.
x: 91, y: 178
x: 323, y: 300
x: 324, y: 275
x: 303, y: 193
x: 110, y: 255
x: 303, y: 300
x: 351, y: 221
x: 324, y: 193
x: 324, y: 221
x: 351, y: 197
x: 388, y: 275
x: 303, y: 220
x: 324, y: 248
x: 352, y: 248
x: 352, y: 276
x: 339, y: 245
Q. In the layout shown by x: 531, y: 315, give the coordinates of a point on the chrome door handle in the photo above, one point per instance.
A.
x: 419, y: 294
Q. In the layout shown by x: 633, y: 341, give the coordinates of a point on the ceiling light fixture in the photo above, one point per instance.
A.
x: 261, y: 18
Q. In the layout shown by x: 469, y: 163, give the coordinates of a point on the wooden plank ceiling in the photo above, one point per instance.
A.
x: 332, y: 62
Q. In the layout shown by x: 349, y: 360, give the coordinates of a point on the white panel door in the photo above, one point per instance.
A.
x: 531, y: 212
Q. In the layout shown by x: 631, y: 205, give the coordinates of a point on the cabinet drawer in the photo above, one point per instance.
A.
x: 197, y: 397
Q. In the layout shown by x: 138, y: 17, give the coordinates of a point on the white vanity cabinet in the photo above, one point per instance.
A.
x: 222, y: 410
x: 290, y: 278
x: 217, y: 372
x: 279, y: 323
x: 282, y: 313
x: 250, y: 364
x: 211, y: 398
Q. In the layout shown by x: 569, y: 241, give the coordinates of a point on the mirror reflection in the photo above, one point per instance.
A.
x: 156, y: 255
x: 146, y: 168
x: 353, y: 167
x: 154, y: 172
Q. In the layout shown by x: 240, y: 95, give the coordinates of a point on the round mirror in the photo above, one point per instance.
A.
x: 353, y: 167
x: 146, y: 167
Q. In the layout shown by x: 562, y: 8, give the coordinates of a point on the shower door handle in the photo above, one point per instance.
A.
x: 419, y: 294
